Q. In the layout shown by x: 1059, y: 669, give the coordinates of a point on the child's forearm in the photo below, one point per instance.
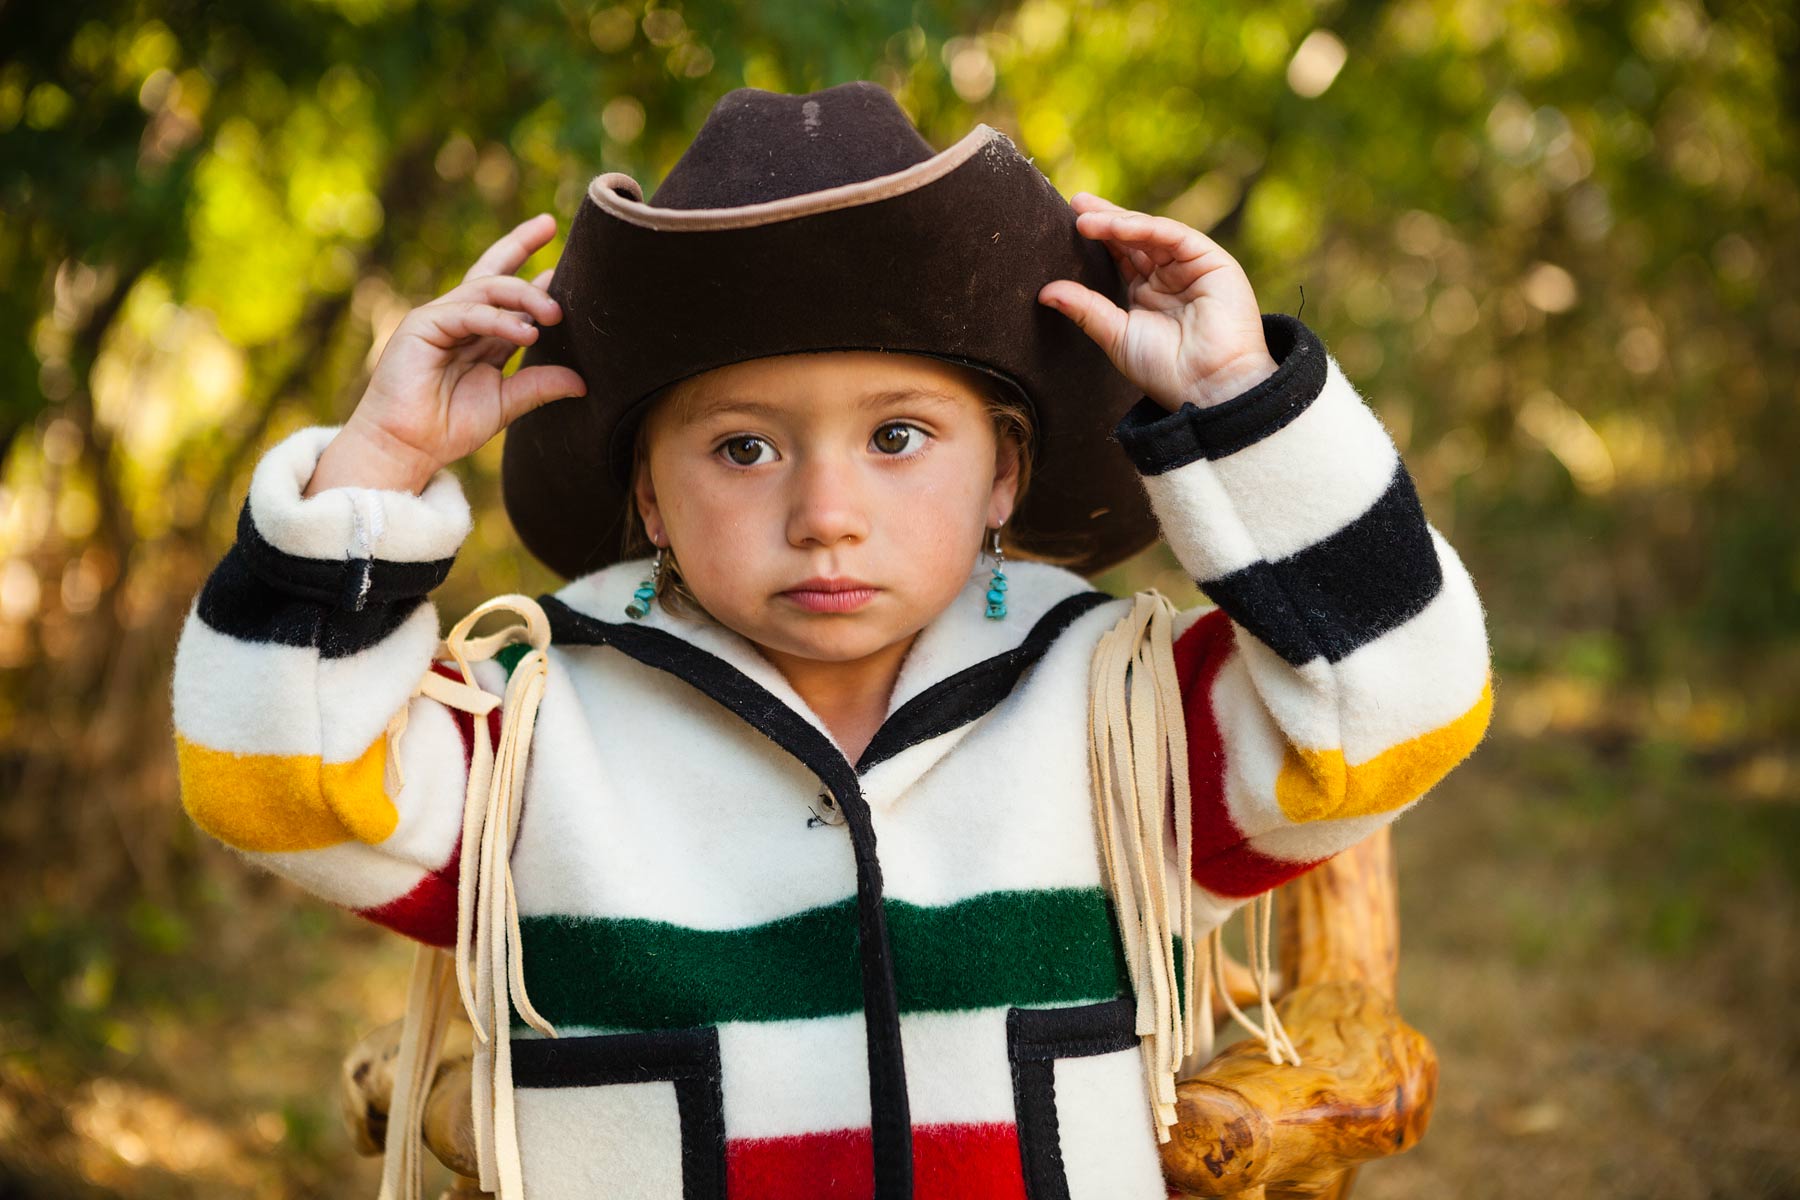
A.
x: 1290, y: 505
x: 307, y: 638
x: 1353, y: 673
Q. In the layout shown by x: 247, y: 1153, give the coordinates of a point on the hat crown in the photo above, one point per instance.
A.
x: 756, y: 146
x: 816, y: 222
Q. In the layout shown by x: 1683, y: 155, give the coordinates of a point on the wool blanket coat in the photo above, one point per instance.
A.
x: 778, y: 973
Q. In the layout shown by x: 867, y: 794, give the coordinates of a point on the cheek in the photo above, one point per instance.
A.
x: 943, y: 513
x: 717, y: 531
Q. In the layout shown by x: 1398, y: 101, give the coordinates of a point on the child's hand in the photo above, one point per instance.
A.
x: 438, y: 394
x: 1194, y: 331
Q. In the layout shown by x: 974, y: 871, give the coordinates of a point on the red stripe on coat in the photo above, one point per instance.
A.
x: 427, y: 913
x: 1224, y: 861
x: 950, y: 1162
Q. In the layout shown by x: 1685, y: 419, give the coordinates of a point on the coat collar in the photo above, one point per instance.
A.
x: 960, y: 666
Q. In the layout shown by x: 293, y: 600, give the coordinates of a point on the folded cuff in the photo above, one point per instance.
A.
x: 351, y: 547
x: 1157, y: 440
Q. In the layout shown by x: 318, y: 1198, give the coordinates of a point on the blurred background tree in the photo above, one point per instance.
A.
x: 1553, y: 242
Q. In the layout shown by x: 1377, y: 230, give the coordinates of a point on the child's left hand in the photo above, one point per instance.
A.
x: 1194, y: 331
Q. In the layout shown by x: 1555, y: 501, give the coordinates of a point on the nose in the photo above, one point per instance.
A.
x: 827, y: 505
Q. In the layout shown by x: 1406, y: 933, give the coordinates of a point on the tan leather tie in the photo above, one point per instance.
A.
x: 1137, y: 754
x: 487, y: 916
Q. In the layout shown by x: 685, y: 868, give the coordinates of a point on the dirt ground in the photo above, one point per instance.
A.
x: 1597, y: 936
x: 1607, y: 968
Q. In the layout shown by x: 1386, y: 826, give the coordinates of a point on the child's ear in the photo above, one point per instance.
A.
x: 643, y: 490
x: 1005, y: 494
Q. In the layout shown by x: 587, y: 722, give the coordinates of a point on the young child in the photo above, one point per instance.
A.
x: 804, y: 876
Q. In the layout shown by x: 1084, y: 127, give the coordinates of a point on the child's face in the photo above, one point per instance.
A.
x: 881, y: 469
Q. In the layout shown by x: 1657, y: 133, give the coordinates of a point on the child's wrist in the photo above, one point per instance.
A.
x: 1226, y: 383
x: 355, y: 459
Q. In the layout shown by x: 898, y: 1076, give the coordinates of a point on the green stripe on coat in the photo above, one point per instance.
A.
x: 1032, y: 947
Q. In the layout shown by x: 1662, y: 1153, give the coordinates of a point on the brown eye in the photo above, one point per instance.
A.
x: 894, y: 439
x: 745, y: 450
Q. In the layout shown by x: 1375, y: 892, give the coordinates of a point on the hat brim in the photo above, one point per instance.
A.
x: 944, y: 258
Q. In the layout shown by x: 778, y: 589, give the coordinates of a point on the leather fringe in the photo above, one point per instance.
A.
x: 487, y: 919
x: 1137, y: 755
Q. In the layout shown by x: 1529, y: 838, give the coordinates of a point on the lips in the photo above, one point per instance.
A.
x: 819, y: 583
x: 822, y: 595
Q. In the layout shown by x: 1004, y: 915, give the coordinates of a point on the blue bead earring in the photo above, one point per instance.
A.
x: 996, y: 596
x: 646, y: 591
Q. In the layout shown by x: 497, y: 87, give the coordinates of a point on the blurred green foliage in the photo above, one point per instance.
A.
x: 1552, y: 241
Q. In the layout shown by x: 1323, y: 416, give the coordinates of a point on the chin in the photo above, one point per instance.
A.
x: 828, y: 644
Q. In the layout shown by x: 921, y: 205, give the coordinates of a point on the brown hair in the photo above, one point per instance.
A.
x: 1004, y: 403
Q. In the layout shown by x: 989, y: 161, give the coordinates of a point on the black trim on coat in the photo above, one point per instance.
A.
x: 1158, y: 440
x: 239, y: 603
x: 890, y: 1113
x: 1346, y: 589
x: 945, y: 706
x: 688, y: 1058
x: 1035, y: 1039
x: 957, y: 699
x: 352, y: 584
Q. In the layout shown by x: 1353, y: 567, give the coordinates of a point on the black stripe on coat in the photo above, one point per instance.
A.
x: 1343, y: 591
x: 1035, y: 1039
x: 688, y: 1058
x: 955, y: 700
x: 890, y: 1112
x: 238, y: 603
x: 1157, y: 440
x: 352, y: 584
x: 260, y: 593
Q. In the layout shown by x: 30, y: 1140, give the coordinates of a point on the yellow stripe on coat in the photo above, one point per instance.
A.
x: 1316, y: 784
x: 266, y: 802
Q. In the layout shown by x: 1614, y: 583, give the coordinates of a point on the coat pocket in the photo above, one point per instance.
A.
x: 622, y: 1114
x: 1077, y: 1088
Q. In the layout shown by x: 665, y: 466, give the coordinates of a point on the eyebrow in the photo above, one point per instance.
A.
x: 743, y: 404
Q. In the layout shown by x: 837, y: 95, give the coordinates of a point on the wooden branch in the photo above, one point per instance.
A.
x: 1368, y: 1080
x: 1365, y: 1091
x: 1341, y: 919
x: 366, y: 1084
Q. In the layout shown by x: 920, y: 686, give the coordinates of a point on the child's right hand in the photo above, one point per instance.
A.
x: 437, y: 394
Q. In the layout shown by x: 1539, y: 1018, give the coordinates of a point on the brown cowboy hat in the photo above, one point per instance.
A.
x: 824, y: 221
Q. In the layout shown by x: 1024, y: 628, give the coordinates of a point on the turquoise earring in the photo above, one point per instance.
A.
x: 996, y: 596
x: 646, y: 591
